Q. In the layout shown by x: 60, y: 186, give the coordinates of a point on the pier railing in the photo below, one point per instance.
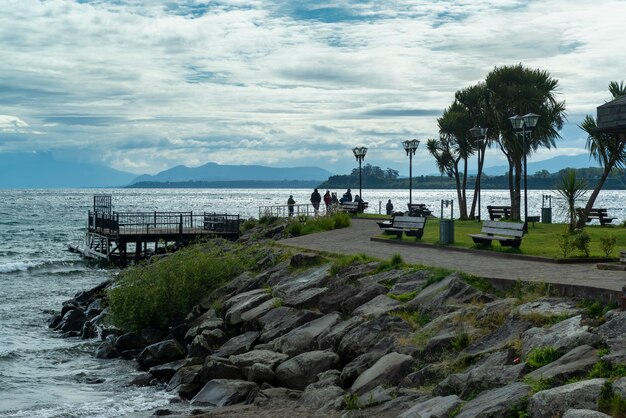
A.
x: 135, y: 223
x: 282, y: 211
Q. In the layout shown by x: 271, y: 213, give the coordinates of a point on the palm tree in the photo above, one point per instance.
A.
x: 571, y: 189
x: 453, y: 148
x: 517, y: 90
x: 608, y: 149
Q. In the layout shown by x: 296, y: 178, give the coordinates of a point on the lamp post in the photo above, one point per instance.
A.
x: 359, y: 153
x: 410, y: 146
x: 522, y: 124
x: 480, y: 135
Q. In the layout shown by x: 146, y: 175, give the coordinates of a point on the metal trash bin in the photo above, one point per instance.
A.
x: 446, y: 226
x: 546, y: 209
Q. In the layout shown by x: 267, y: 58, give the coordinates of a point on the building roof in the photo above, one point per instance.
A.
x: 612, y: 116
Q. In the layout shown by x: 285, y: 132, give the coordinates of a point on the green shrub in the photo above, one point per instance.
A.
x: 394, y: 263
x: 343, y: 261
x: 248, y: 224
x: 294, y: 229
x: 581, y: 241
x: 607, y: 370
x: 352, y: 401
x: 416, y: 319
x: 403, y: 297
x: 162, y: 292
x: 607, y: 244
x: 268, y: 219
x: 596, y: 309
x: 566, y: 244
x: 539, y: 357
x: 460, y: 342
x: 611, y: 403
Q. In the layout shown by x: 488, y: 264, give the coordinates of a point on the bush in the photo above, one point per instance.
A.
x: 581, y: 241
x: 248, y: 224
x: 162, y: 292
x: 566, y: 244
x: 539, y: 357
x: 607, y: 244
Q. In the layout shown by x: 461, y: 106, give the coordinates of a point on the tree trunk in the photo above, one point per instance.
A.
x: 464, y: 190
x: 516, y: 212
x: 457, y: 180
x: 582, y: 218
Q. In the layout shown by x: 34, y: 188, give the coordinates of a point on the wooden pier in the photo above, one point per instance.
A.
x: 125, y: 236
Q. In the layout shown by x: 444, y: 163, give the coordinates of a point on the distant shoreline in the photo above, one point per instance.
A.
x: 232, y: 184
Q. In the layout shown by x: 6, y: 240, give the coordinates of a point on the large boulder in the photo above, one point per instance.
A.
x: 357, y: 366
x: 554, y: 402
x: 160, y: 353
x: 315, y: 397
x: 106, y: 349
x: 307, y: 298
x: 584, y: 413
x: 330, y: 339
x: 304, y: 337
x: 73, y: 320
x: 130, y: 341
x: 334, y: 298
x: 260, y: 373
x: 411, y: 282
x: 617, y: 351
x: 481, y: 378
x: 243, y: 298
x: 437, y: 407
x: 302, y: 370
x: 281, y: 320
x: 167, y: 370
x: 388, y: 370
x: 511, y: 330
x: 619, y: 387
x: 495, y: 402
x: 575, y: 363
x: 205, y: 343
x: 252, y: 316
x: 239, y: 344
x: 380, y: 305
x: 220, y: 368
x: 562, y: 336
x: 366, y: 293
x: 269, y: 358
x: 549, y: 307
x: 379, y: 334
x: 222, y: 392
x: 448, y: 294
x: 233, y: 314
x: 187, y: 381
x: 614, y: 327
x: 301, y: 281
x: 425, y: 297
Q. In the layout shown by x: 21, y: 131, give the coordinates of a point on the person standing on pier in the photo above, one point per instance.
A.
x: 327, y: 201
x: 316, y: 198
x: 290, y: 203
x: 389, y: 207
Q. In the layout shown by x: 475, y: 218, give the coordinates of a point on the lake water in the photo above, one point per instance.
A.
x: 42, y: 375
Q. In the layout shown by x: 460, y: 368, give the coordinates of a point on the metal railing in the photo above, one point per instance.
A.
x: 284, y: 211
x: 161, y: 223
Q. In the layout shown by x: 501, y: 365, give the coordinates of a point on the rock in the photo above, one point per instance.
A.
x: 89, y: 331
x: 142, y: 379
x: 302, y: 370
x: 424, y: 376
x: 221, y: 368
x: 555, y: 401
x: 130, y: 341
x: 269, y: 397
x: 333, y: 299
x: 330, y: 339
x: 257, y: 312
x: 584, y: 413
x: 167, y: 370
x: 73, y: 320
x: 303, y: 338
x: 365, y: 294
x: 377, y: 334
x: 388, y: 370
x: 357, y: 366
x: 619, y: 387
x: 375, y: 396
x: 55, y: 321
x: 496, y: 311
x: 478, y: 379
x: 233, y: 315
x: 222, y: 392
x: 246, y: 360
x: 550, y: 307
x: 186, y: 379
x: 281, y: 320
x: 354, y: 272
x: 301, y: 281
x: 307, y: 298
x: 203, y: 344
x: 614, y: 327
x: 511, y: 330
x: 304, y: 260
x: 427, y: 294
x: 153, y: 335
x: 390, y: 277
x: 106, y: 349
x: 380, y: 305
x: 332, y: 376
x: 562, y: 336
x: 178, y: 332
x: 239, y: 344
x: 314, y: 398
x: 94, y: 309
x: 438, y: 407
x: 495, y: 402
x: 575, y: 363
x: 617, y: 353
x: 160, y: 353
x: 260, y: 373
x: 456, y: 293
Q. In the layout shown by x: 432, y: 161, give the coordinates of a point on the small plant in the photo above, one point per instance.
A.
x: 218, y: 307
x: 396, y: 262
x: 595, y: 309
x: 403, y: 297
x: 539, y: 357
x: 539, y: 384
x: 566, y: 244
x: 460, y: 342
x: 248, y: 224
x: 607, y: 370
x: 352, y: 401
x: 416, y: 319
x: 268, y: 219
x: 571, y: 189
x: 611, y: 403
x: 581, y: 241
x: 277, y: 303
x: 294, y: 229
x: 342, y: 262
x: 607, y: 244
x: 542, y: 320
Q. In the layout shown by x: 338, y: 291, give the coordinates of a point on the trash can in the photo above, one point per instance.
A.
x: 446, y: 231
x: 546, y: 215
x: 446, y: 226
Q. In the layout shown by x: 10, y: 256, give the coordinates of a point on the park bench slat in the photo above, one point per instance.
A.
x: 506, y: 233
x: 410, y: 225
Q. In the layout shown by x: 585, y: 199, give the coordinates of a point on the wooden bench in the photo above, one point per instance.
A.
x: 352, y: 207
x: 419, y: 209
x: 509, y: 234
x: 412, y: 226
x: 601, y: 215
x: 499, y: 212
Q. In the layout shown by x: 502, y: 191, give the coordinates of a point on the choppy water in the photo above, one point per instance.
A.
x: 42, y: 375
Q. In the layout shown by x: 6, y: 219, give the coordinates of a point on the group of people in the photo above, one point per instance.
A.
x: 330, y: 199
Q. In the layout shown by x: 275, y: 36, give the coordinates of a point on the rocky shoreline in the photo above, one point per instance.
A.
x: 305, y: 335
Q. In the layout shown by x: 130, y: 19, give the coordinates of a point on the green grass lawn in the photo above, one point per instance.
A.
x: 541, y: 240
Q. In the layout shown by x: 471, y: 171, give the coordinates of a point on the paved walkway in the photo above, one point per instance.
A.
x: 356, y: 239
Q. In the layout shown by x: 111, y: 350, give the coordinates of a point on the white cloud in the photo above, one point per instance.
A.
x: 12, y: 124
x: 150, y: 84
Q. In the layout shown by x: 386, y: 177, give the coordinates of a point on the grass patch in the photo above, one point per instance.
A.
x: 607, y: 370
x: 537, y: 385
x: 311, y: 225
x: 403, y: 297
x: 539, y: 357
x: 479, y: 283
x: 343, y: 261
x: 460, y: 342
x: 596, y: 309
x: 416, y: 319
x: 611, y: 403
x: 526, y: 292
x: 542, y: 239
x: 394, y: 263
x: 157, y: 294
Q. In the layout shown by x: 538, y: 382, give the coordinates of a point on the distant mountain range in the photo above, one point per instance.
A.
x: 218, y: 172
x: 42, y: 170
x: 553, y: 165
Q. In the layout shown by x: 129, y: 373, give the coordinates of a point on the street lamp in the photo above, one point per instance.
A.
x: 522, y: 124
x: 480, y: 135
x: 410, y: 146
x: 359, y: 153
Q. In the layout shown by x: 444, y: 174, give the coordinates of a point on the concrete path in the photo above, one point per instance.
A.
x: 356, y: 239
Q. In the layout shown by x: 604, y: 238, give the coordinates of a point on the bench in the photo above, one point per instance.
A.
x: 499, y: 212
x: 419, y: 209
x: 412, y: 226
x: 352, y: 207
x: 600, y: 214
x: 509, y: 234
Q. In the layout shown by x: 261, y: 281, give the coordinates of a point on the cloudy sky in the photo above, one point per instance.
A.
x: 143, y: 85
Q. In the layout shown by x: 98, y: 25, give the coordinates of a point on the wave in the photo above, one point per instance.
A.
x: 68, y: 266
x: 15, y: 266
